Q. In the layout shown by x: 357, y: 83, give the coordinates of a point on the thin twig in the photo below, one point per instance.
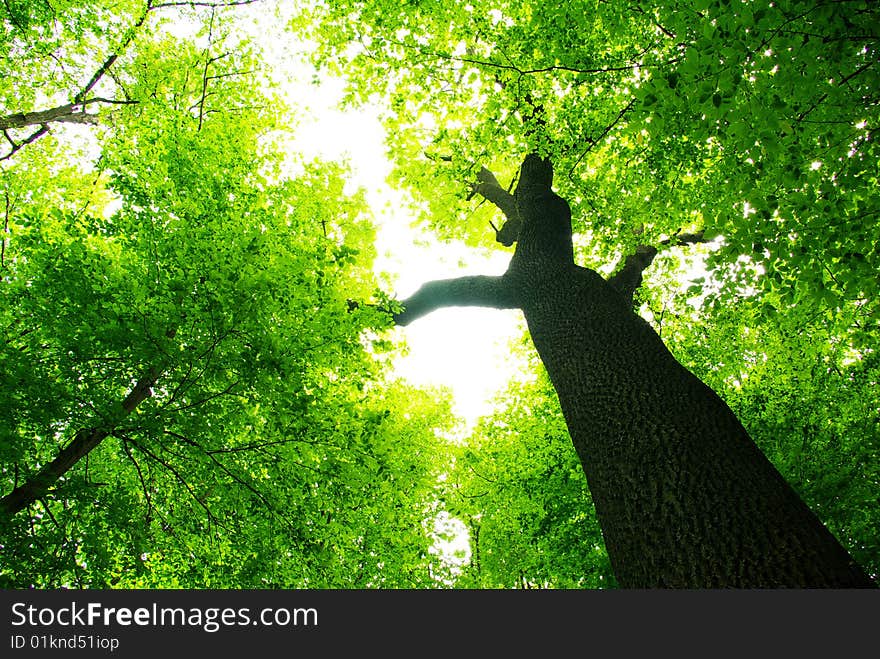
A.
x: 5, y: 228
x: 212, y: 5
x: 180, y: 479
x: 593, y: 142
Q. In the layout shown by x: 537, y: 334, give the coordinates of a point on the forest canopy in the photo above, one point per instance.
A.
x: 196, y: 381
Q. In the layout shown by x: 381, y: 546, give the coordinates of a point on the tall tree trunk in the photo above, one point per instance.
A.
x: 684, y: 497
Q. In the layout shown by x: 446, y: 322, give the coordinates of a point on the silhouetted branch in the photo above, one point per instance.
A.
x: 473, y: 291
x: 171, y: 468
x: 594, y: 141
x: 82, y: 444
x: 488, y: 187
x: 629, y: 277
x: 211, y: 5
x: 33, y: 137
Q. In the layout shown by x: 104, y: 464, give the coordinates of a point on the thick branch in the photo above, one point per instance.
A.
x: 83, y: 442
x: 629, y: 277
x: 69, y: 112
x: 534, y: 171
x: 476, y: 291
x: 488, y: 187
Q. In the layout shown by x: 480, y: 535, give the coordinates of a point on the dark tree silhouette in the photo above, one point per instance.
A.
x: 684, y: 497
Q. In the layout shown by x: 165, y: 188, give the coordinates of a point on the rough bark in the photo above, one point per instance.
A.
x: 684, y: 497
x: 70, y: 113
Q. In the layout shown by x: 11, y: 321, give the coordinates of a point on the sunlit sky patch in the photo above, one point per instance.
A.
x: 464, y: 350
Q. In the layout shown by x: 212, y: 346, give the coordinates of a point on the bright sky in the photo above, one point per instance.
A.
x: 464, y: 349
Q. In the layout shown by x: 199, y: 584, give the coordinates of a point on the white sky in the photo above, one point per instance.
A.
x: 464, y: 349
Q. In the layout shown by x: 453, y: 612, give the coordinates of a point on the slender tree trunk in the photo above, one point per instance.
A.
x: 82, y: 444
x: 684, y: 497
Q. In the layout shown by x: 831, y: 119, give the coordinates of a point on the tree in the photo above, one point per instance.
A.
x: 684, y: 496
x: 192, y: 384
x: 186, y: 399
x: 749, y: 122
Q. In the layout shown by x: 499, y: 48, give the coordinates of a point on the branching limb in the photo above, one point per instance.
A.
x: 69, y: 112
x: 33, y: 137
x: 72, y: 113
x: 475, y: 291
x: 83, y: 442
x: 535, y: 173
x: 148, y: 499
x: 629, y: 277
x: 180, y: 479
x: 246, y: 484
x: 488, y: 187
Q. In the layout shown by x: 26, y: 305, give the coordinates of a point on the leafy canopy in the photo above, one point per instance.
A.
x: 154, y: 230
x: 168, y: 239
x: 752, y: 122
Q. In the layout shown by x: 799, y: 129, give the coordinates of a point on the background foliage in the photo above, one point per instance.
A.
x: 152, y: 224
x: 274, y: 451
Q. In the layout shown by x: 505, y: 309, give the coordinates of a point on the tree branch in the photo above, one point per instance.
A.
x: 70, y: 112
x: 629, y: 277
x: 205, y: 78
x: 176, y: 472
x: 74, y: 113
x: 212, y: 5
x: 83, y: 442
x: 8, y: 210
x: 616, y: 68
x: 592, y: 142
x: 33, y: 137
x: 488, y: 187
x: 146, y: 491
x: 474, y: 291
x: 67, y: 112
